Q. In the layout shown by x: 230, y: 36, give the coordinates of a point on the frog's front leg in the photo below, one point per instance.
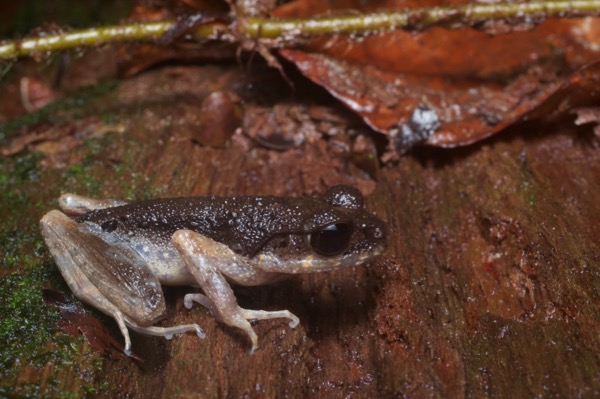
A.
x: 209, y: 262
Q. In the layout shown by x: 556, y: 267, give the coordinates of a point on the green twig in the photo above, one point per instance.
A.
x: 86, y: 38
x: 287, y: 32
x: 419, y: 19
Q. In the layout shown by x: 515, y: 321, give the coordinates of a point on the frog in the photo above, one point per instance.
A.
x: 116, y: 255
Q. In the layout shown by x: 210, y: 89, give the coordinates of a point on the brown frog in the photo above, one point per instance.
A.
x: 115, y: 255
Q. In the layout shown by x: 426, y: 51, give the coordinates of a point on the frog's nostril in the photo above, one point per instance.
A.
x: 374, y: 231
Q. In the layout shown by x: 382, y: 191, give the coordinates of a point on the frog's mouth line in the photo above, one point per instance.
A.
x: 314, y: 263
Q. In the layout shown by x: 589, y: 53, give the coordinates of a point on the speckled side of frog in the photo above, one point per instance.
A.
x: 116, y: 255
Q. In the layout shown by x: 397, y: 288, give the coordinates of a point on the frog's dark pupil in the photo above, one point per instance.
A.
x: 109, y: 225
x: 331, y: 240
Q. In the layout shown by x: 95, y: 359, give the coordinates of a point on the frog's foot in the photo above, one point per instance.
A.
x: 206, y: 259
x: 241, y: 316
x: 248, y: 314
x: 75, y: 205
x: 168, y: 332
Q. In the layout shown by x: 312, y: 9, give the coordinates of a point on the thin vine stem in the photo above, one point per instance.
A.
x: 88, y: 37
x: 419, y: 19
x: 286, y: 32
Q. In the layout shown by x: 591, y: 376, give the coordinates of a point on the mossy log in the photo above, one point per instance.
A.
x: 489, y: 286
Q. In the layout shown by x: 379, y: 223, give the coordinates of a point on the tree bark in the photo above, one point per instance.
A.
x: 489, y: 286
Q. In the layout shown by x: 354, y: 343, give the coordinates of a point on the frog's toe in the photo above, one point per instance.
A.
x: 200, y: 332
x: 189, y: 299
x: 294, y: 321
x: 169, y: 332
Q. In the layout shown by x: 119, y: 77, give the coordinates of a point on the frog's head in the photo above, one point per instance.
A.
x: 337, y: 233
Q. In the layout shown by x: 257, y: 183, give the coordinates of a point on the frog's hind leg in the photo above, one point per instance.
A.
x: 110, y: 278
x: 54, y: 230
x: 75, y: 205
x: 206, y: 259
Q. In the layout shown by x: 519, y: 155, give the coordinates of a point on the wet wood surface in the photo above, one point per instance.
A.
x: 489, y: 286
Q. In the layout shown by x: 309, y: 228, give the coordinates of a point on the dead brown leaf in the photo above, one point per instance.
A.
x: 472, y: 83
x: 56, y: 142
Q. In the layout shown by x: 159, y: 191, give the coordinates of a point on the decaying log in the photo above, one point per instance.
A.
x: 489, y: 287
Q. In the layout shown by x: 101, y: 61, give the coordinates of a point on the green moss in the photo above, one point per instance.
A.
x: 31, y: 339
x: 11, y: 243
x: 78, y: 179
x: 29, y: 328
x: 24, y: 391
x: 34, y: 390
x: 101, y: 179
x: 25, y: 320
x: 19, y: 240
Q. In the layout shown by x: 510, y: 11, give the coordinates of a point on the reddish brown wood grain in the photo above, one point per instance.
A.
x: 491, y: 263
x: 489, y: 287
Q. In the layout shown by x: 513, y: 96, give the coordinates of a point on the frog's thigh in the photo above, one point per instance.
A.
x: 56, y: 229
x: 204, y: 258
x: 73, y: 204
x: 71, y: 248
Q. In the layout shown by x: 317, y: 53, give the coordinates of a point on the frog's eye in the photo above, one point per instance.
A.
x: 331, y: 239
